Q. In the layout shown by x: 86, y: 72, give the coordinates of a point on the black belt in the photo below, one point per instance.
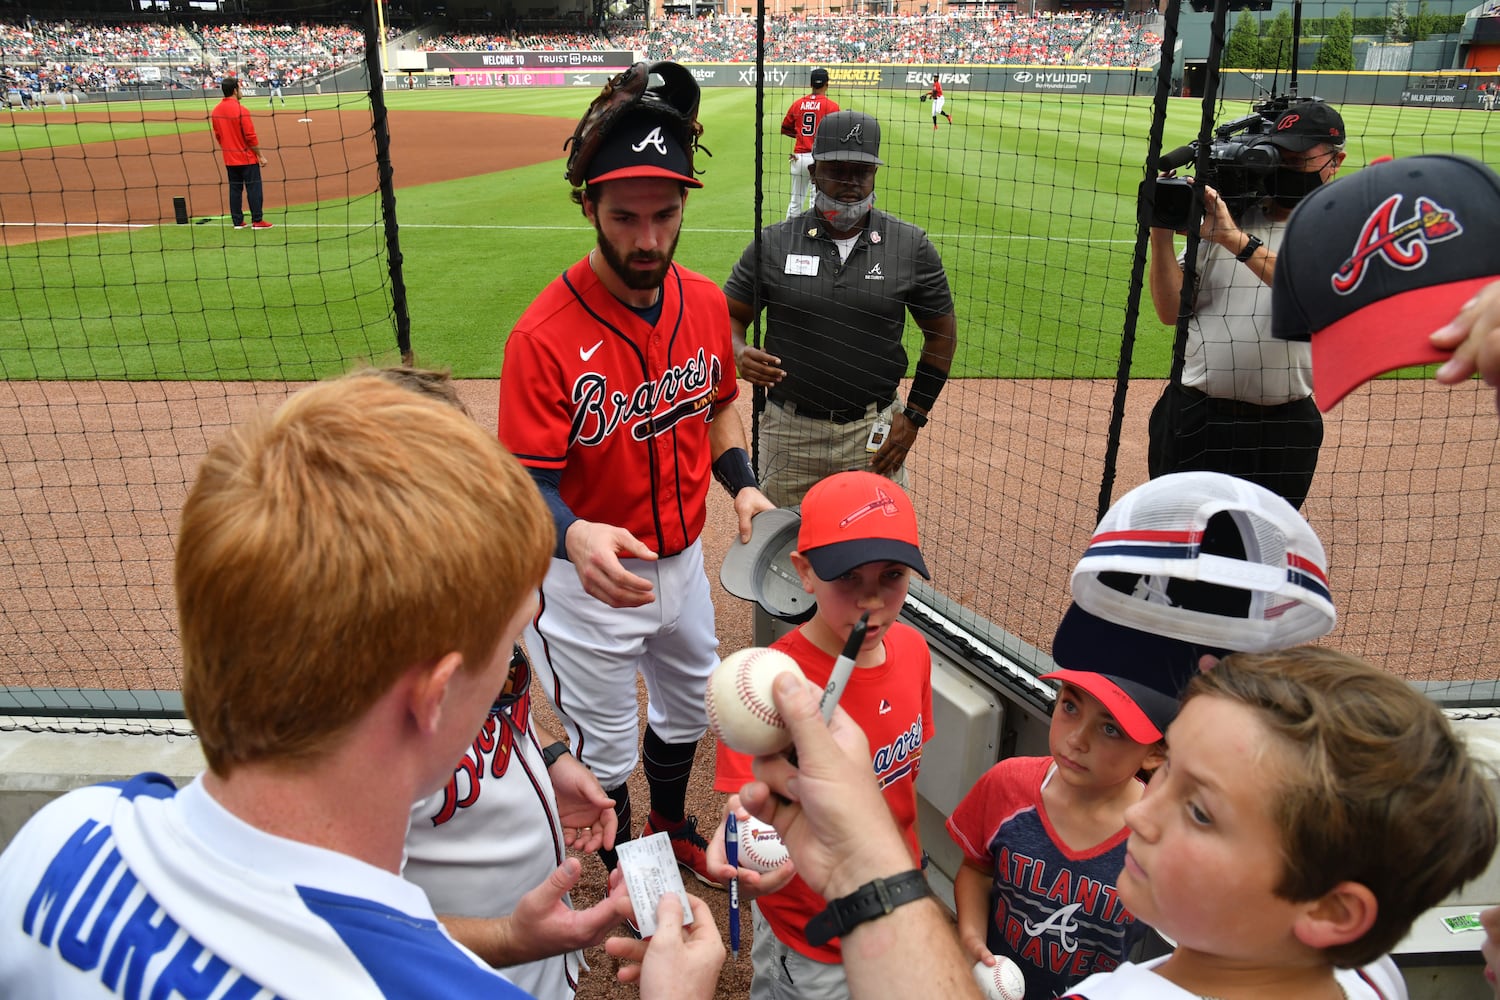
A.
x: 836, y: 415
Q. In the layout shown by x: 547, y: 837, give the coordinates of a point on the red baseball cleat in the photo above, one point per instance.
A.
x: 688, y: 846
x: 262, y: 224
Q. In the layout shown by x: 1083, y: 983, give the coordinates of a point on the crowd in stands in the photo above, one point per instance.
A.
x: 44, y: 58
x: 38, y: 58
x: 1088, y: 38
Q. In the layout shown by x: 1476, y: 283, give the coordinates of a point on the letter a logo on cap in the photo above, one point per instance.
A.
x: 653, y: 138
x: 854, y: 135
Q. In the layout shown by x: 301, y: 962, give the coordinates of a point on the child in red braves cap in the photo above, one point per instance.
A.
x: 856, y: 549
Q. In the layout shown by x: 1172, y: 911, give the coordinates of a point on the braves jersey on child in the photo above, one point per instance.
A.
x: 892, y: 703
x: 1053, y: 910
x: 453, y: 848
x: 1380, y: 980
x: 619, y: 405
x: 136, y: 889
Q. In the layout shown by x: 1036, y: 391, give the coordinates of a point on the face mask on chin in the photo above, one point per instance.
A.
x: 843, y: 216
x: 1288, y: 187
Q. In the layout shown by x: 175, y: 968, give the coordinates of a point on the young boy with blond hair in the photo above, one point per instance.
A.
x: 1310, y: 808
x: 857, y: 546
x: 351, y: 574
x: 1044, y: 837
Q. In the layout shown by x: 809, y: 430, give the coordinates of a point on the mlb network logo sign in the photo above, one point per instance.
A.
x: 946, y: 79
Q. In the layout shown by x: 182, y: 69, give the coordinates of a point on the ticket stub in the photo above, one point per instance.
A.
x: 650, y: 873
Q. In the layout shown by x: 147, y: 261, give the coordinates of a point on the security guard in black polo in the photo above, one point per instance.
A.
x: 837, y: 283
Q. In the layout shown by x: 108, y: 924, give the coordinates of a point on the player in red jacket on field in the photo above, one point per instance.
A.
x: 801, y: 124
x: 936, y: 94
x: 242, y: 156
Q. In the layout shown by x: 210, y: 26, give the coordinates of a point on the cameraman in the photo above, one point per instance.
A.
x: 1244, y: 405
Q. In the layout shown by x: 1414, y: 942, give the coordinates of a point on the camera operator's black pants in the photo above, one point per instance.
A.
x: 1273, y: 446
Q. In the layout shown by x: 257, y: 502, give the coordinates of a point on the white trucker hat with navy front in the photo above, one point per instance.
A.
x: 1208, y: 558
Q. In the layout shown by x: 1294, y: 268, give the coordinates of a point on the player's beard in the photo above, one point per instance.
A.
x: 635, y: 278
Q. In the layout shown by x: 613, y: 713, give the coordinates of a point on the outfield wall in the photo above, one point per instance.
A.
x: 1452, y: 89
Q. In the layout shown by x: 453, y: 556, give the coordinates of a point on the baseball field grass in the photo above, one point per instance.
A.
x: 1029, y: 199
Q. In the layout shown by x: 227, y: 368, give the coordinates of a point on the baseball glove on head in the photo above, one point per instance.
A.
x: 674, y: 101
x: 923, y: 98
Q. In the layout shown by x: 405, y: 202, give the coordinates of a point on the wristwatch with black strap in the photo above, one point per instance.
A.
x: 552, y: 751
x: 871, y: 900
x: 1252, y: 244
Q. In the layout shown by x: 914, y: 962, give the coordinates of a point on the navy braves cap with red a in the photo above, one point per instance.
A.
x: 642, y: 144
x: 1373, y: 263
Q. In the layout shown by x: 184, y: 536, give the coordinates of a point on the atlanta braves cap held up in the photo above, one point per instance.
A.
x: 848, y: 135
x: 1085, y: 642
x: 853, y: 518
x: 1372, y: 264
x: 1211, y: 559
x: 1307, y: 124
x: 761, y: 570
x: 642, y: 145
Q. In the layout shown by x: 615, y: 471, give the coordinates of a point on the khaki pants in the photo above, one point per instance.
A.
x: 796, y: 452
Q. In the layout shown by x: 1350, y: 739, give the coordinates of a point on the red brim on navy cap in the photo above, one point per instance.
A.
x: 642, y: 145
x: 1142, y: 712
x: 1371, y: 264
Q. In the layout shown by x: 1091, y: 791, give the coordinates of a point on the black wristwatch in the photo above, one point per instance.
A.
x: 1252, y: 244
x: 552, y: 751
x: 917, y: 420
x: 871, y: 900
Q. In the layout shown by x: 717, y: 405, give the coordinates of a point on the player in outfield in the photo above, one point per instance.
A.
x: 857, y: 546
x: 1302, y: 784
x: 616, y: 393
x: 800, y: 124
x: 935, y: 95
x: 351, y: 573
x: 1044, y: 837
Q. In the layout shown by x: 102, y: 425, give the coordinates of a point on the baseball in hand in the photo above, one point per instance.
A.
x: 761, y: 848
x: 738, y: 700
x: 1001, y: 981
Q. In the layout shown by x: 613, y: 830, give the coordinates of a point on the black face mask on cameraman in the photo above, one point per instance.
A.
x: 1287, y: 186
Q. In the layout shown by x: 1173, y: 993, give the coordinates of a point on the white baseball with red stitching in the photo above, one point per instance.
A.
x: 1001, y: 981
x: 740, y: 710
x: 761, y: 848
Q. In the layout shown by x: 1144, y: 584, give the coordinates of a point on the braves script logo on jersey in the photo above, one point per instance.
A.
x: 654, y: 139
x: 900, y: 757
x: 882, y: 504
x: 685, y: 389
x: 1402, y: 243
x: 495, y: 744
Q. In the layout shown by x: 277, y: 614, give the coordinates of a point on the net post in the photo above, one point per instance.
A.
x: 382, y: 129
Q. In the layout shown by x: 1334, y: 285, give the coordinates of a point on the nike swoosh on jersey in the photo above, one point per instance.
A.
x: 585, y: 355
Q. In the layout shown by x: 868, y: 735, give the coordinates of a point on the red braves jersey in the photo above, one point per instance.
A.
x: 801, y: 121
x: 937, y: 88
x: 621, y: 407
x: 893, y: 705
x: 235, y: 131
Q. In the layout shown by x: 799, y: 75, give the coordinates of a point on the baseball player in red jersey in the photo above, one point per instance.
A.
x: 936, y: 93
x: 801, y: 123
x: 615, y: 393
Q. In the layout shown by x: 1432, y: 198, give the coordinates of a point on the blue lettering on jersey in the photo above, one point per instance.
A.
x: 87, y: 925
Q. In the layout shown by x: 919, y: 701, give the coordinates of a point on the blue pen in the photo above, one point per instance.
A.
x: 732, y: 855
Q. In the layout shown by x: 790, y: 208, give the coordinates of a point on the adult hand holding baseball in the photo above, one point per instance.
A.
x: 827, y: 808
